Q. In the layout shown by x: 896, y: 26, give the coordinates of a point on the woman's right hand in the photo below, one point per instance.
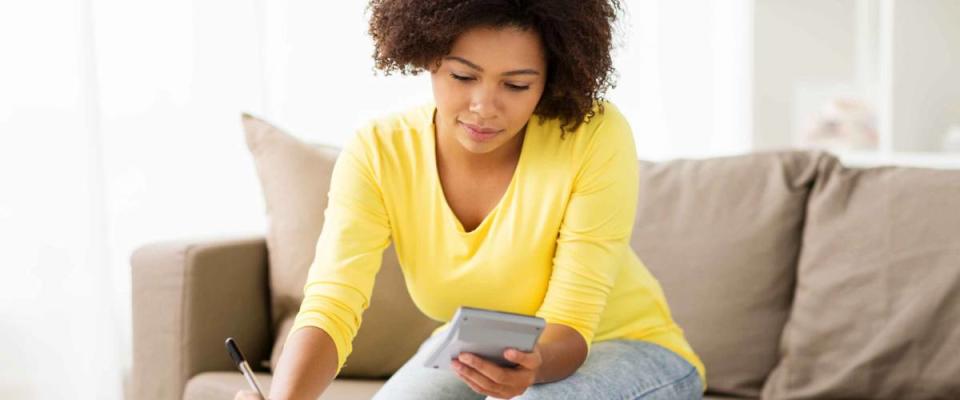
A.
x: 247, y: 395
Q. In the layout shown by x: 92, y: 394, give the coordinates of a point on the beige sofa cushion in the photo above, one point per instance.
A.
x: 722, y: 236
x: 224, y: 385
x: 295, y: 178
x: 877, y: 309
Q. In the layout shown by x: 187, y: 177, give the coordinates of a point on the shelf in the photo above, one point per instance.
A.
x: 940, y: 160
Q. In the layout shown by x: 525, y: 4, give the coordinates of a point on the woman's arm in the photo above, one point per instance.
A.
x: 307, y: 365
x: 340, y: 279
x: 563, y: 351
x: 594, y: 236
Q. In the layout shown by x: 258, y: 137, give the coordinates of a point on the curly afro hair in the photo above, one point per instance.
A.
x: 409, y: 35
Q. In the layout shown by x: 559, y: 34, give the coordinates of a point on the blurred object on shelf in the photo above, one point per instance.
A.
x: 844, y: 123
x: 951, y: 140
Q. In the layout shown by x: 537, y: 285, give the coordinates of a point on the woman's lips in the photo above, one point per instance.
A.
x: 478, y: 133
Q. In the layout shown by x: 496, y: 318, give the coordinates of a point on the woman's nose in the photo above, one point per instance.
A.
x: 483, y: 103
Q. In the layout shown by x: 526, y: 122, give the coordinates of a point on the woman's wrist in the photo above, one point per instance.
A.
x: 563, y: 350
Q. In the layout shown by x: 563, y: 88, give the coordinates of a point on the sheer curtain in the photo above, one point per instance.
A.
x: 119, y: 126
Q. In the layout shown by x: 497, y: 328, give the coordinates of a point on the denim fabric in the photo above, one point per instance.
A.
x: 615, y: 369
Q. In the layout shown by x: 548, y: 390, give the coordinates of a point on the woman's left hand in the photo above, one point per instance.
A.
x: 486, y: 377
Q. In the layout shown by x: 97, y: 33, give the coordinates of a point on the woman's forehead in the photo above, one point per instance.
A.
x: 498, y: 50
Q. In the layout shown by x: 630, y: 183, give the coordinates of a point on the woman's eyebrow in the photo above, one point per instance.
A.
x: 477, y: 67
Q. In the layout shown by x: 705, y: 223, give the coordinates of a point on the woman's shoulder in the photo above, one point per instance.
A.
x: 399, y: 123
x: 392, y: 130
x: 605, y: 144
x: 605, y: 121
x: 604, y: 126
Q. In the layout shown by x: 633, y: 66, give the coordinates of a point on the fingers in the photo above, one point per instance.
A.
x: 486, y: 377
x: 246, y: 395
x: 487, y: 368
x: 527, y: 360
x: 477, y: 381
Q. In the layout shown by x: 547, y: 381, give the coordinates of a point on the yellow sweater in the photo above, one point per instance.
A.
x: 555, y: 246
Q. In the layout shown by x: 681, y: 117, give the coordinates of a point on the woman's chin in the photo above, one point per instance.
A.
x: 476, y: 147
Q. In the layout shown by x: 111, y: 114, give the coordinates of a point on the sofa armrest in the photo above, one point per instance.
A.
x: 188, y: 297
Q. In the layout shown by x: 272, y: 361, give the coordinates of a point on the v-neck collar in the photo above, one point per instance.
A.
x: 435, y: 170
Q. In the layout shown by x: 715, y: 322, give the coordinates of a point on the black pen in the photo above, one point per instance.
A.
x: 242, y: 365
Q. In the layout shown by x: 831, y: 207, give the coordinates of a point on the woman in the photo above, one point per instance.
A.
x: 514, y: 190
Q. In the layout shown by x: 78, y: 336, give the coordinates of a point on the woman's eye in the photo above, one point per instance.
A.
x: 509, y: 86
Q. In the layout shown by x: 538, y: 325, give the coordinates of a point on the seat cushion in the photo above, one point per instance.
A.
x: 295, y: 178
x: 722, y: 235
x: 877, y: 305
x: 224, y: 385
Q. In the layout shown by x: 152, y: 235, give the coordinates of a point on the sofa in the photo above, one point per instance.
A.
x: 793, y: 276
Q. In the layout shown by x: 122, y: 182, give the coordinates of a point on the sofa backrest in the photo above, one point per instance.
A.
x: 877, y: 308
x: 722, y: 236
x: 794, y: 276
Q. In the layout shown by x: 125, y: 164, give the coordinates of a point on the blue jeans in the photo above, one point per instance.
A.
x: 615, y: 369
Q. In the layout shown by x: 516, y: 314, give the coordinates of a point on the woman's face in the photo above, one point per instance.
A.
x: 488, y: 86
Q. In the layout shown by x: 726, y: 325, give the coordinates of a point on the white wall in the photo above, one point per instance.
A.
x: 685, y: 77
x: 925, y: 92
x: 797, y: 45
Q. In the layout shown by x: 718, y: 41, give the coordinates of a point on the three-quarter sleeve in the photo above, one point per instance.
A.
x: 596, y: 227
x: 349, y: 250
